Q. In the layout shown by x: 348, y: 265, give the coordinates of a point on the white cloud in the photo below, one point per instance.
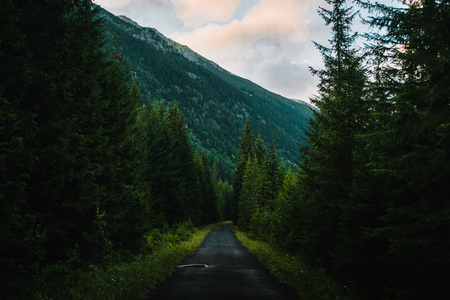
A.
x: 255, y: 39
x: 262, y: 45
x: 200, y: 12
x: 271, y: 18
x: 115, y: 4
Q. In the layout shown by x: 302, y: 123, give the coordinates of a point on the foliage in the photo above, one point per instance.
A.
x: 409, y: 147
x: 131, y: 280
x: 214, y: 102
x: 369, y: 201
x: 87, y: 174
x: 245, y: 148
x: 294, y: 270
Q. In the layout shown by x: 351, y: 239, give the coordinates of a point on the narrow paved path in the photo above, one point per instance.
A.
x: 232, y: 273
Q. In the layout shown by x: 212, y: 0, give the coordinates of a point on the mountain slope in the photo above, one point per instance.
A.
x: 215, y: 103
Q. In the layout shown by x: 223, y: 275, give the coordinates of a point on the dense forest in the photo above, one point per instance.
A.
x: 215, y: 102
x: 90, y: 175
x: 87, y: 172
x: 370, y: 199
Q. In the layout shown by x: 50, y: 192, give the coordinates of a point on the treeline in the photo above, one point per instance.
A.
x: 215, y: 110
x: 370, y: 200
x: 86, y: 171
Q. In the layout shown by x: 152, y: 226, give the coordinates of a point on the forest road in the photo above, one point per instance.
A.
x: 232, y: 273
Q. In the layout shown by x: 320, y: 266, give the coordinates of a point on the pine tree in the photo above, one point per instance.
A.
x: 66, y: 156
x: 275, y: 171
x: 52, y: 97
x: 224, y: 193
x: 288, y: 213
x: 188, y: 190
x: 245, y: 148
x: 328, y: 166
x: 260, y: 152
x: 56, y: 95
x: 211, y: 214
x: 208, y: 203
x: 248, y: 199
x: 409, y: 147
x: 161, y: 168
x: 21, y: 237
x: 127, y: 204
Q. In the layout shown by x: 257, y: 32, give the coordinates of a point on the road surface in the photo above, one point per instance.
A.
x: 231, y: 273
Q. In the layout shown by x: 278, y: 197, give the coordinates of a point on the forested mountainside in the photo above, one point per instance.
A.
x: 215, y: 103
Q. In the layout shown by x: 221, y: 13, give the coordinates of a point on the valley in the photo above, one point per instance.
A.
x: 214, y: 102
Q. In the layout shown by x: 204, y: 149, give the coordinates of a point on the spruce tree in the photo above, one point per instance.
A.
x: 66, y: 155
x: 328, y: 166
x: 187, y: 189
x: 161, y: 169
x: 57, y: 95
x: 21, y: 237
x: 245, y: 148
x: 248, y: 199
x: 289, y: 212
x: 210, y: 208
x: 275, y: 171
x: 52, y: 63
x: 409, y: 147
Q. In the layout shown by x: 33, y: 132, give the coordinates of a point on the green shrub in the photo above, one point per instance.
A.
x: 126, y: 280
x: 167, y: 236
x: 309, y: 282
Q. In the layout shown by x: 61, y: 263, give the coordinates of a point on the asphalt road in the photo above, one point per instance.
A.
x: 232, y: 273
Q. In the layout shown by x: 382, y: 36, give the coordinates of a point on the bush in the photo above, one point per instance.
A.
x: 310, y: 282
x: 126, y: 280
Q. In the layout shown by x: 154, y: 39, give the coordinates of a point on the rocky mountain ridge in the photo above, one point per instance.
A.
x: 215, y: 102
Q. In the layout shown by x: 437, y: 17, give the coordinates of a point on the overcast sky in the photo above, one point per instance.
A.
x: 266, y: 41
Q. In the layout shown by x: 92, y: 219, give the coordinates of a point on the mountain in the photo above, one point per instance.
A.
x: 214, y: 102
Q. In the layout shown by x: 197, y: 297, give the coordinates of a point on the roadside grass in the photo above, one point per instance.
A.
x: 292, y: 270
x: 122, y: 281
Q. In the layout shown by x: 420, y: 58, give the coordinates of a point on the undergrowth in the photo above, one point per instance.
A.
x: 126, y: 280
x: 294, y: 271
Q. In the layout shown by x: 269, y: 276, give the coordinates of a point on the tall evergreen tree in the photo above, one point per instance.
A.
x: 275, y: 171
x: 160, y: 171
x: 210, y: 208
x: 224, y: 193
x: 65, y: 155
x: 409, y: 148
x: 63, y: 102
x: 329, y: 162
x: 21, y: 237
x: 248, y: 199
x: 188, y: 190
x: 245, y: 148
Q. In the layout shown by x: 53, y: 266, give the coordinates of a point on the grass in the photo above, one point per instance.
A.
x: 127, y: 280
x: 292, y: 270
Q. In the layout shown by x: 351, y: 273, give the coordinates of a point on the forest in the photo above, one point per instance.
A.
x: 215, y: 102
x: 89, y: 175
x: 369, y: 201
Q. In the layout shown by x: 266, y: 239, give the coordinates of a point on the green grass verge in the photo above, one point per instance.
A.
x: 131, y: 280
x: 293, y: 271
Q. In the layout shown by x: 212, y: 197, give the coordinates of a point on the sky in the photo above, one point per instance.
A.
x: 266, y: 41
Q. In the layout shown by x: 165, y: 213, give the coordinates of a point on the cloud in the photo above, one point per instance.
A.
x: 280, y: 66
x: 200, y: 12
x: 125, y: 4
x: 271, y: 18
x: 159, y: 14
x: 266, y: 41
x: 271, y: 45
